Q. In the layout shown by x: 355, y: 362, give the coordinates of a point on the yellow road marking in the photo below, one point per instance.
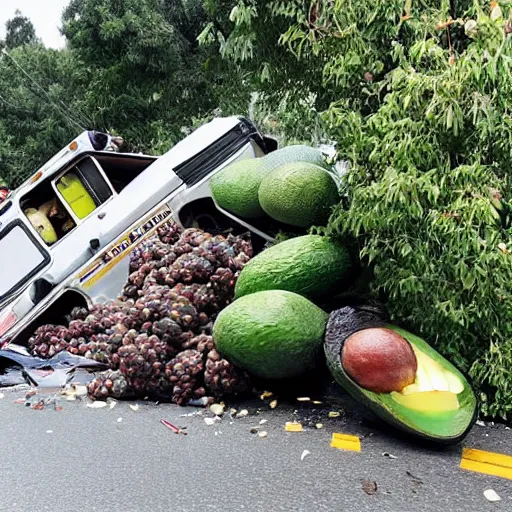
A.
x: 346, y: 442
x: 488, y: 463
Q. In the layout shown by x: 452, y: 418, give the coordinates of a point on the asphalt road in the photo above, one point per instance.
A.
x: 80, y: 459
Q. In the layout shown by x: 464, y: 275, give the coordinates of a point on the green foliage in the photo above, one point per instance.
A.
x: 144, y: 64
x: 19, y: 31
x: 35, y: 118
x: 430, y: 168
x: 418, y: 97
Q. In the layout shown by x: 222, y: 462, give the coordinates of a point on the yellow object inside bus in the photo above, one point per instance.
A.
x: 76, y: 195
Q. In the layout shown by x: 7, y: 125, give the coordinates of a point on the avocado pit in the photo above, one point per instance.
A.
x: 379, y: 360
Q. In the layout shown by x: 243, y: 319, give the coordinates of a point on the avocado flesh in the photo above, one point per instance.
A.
x: 446, y: 424
x: 432, y: 376
x: 428, y: 402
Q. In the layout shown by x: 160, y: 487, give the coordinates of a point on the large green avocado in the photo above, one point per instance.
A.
x: 235, y: 188
x: 446, y: 425
x: 309, y: 265
x: 292, y: 154
x: 299, y: 194
x: 272, y: 334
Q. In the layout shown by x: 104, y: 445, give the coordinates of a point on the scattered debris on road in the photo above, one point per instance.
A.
x: 491, y: 495
x: 217, y: 409
x: 346, y: 442
x: 293, y: 426
x: 369, y: 487
x: 96, y: 405
x: 174, y: 428
x: 305, y: 453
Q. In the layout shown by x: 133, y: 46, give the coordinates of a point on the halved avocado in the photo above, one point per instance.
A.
x: 440, y: 406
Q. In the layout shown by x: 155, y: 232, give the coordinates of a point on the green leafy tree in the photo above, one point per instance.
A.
x: 19, y: 31
x: 147, y: 76
x: 36, y: 115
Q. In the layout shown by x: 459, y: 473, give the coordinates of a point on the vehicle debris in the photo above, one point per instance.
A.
x: 173, y: 428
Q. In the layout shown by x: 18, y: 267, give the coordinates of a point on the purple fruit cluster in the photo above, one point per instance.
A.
x: 157, y: 338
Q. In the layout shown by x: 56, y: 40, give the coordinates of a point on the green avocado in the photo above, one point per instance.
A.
x: 440, y: 406
x: 299, y: 194
x: 309, y: 265
x: 235, y: 188
x: 292, y: 154
x: 272, y: 334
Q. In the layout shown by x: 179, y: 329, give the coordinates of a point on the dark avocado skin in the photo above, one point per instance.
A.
x: 345, y: 322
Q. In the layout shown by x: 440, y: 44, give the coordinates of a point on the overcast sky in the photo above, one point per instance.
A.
x: 44, y: 14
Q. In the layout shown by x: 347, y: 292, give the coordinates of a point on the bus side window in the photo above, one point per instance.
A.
x: 76, y: 195
x: 84, y: 188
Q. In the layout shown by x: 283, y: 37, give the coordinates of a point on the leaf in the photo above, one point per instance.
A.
x: 369, y: 487
x: 468, y: 280
x: 449, y: 117
x: 496, y: 13
x: 305, y: 453
x: 491, y: 495
x: 233, y: 13
x: 470, y: 28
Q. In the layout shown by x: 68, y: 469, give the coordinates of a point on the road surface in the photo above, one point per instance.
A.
x: 81, y: 459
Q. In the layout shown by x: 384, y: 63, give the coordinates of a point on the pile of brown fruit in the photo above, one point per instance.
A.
x: 156, y: 339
